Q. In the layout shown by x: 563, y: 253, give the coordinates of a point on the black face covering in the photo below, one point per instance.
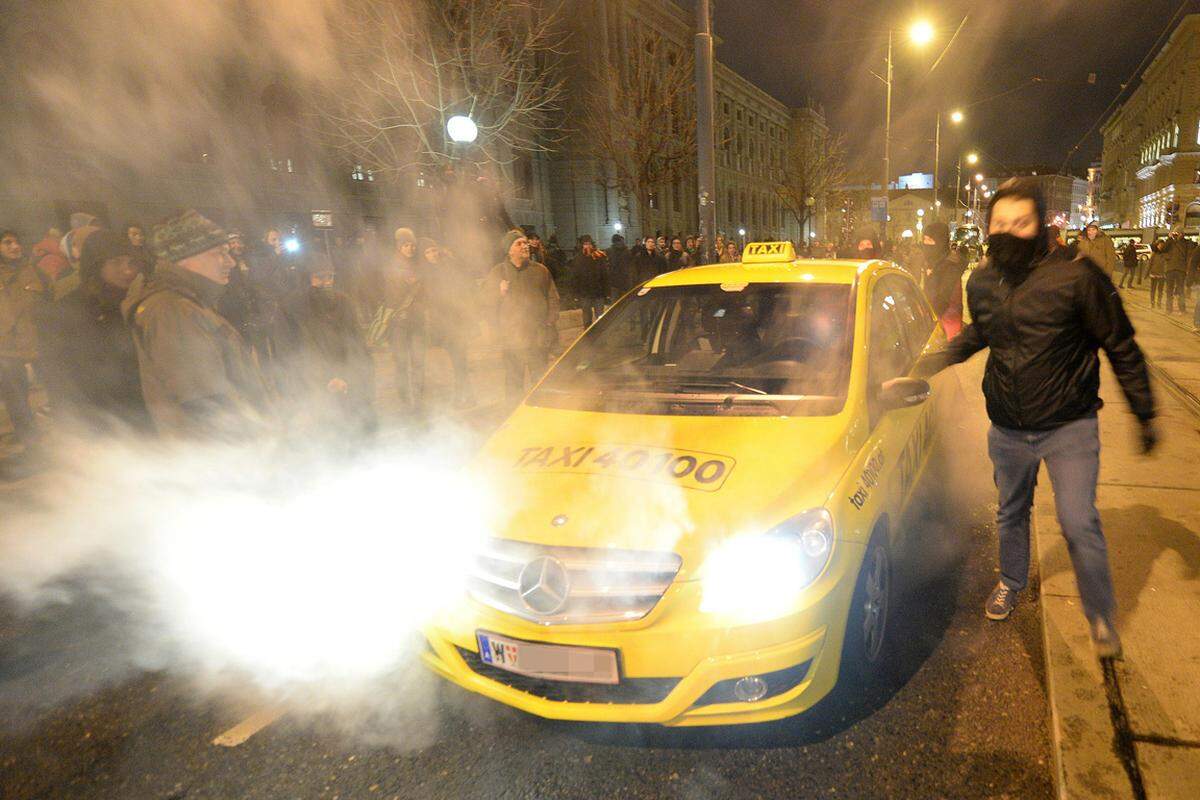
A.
x: 1012, y: 255
x: 933, y: 252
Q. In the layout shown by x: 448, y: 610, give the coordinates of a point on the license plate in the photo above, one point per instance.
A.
x: 551, y: 661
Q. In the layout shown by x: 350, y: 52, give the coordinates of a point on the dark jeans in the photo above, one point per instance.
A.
x: 14, y: 393
x: 1157, y: 283
x: 516, y: 362
x: 1072, y: 456
x: 408, y: 353
x: 1174, y: 290
x: 1128, y: 275
x: 455, y: 344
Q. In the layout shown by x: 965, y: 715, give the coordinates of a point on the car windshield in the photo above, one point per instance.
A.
x: 757, y: 349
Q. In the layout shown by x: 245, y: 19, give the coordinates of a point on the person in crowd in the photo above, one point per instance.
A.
x: 1175, y: 252
x: 1044, y: 318
x: 1157, y: 271
x: 648, y: 262
x: 660, y: 244
x: 703, y: 256
x: 730, y: 254
x: 403, y: 294
x: 620, y: 265
x: 48, y: 257
x: 1096, y: 245
x: 330, y: 372
x: 943, y: 277
x: 593, y: 279
x: 678, y: 257
x: 71, y: 248
x: 690, y: 247
x: 1129, y: 260
x: 238, y: 304
x: 537, y: 250
x: 198, y: 376
x: 526, y: 308
x: 22, y: 293
x: 450, y: 317
x: 863, y: 243
x: 142, y: 258
x: 273, y: 278
x: 87, y: 357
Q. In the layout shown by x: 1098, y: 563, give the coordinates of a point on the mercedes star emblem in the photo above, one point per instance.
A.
x: 544, y: 585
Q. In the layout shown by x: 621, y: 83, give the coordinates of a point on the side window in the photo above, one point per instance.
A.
x: 916, y: 319
x: 888, y: 355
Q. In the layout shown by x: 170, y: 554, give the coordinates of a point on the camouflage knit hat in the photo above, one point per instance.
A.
x: 185, y: 235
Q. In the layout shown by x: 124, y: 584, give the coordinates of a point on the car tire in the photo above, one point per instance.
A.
x: 865, y: 650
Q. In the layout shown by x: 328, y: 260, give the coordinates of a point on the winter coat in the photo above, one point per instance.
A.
x: 527, y: 313
x: 1100, y: 250
x: 592, y: 276
x: 88, y: 360
x: 620, y: 269
x: 1175, y: 255
x: 943, y: 285
x: 22, y: 292
x: 1130, y: 256
x: 1044, y: 330
x: 324, y: 342
x: 198, y: 376
x: 49, y: 259
x: 404, y: 292
x: 647, y: 265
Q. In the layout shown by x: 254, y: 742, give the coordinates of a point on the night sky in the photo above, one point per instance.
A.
x: 823, y: 49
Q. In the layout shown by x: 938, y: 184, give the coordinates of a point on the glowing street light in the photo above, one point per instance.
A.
x: 920, y: 212
x: 741, y: 231
x: 979, y: 177
x: 461, y: 129
x: 972, y: 158
x: 618, y: 227
x: 921, y: 32
x: 956, y: 117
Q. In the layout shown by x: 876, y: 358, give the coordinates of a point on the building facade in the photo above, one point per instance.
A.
x: 753, y: 131
x: 1151, y: 154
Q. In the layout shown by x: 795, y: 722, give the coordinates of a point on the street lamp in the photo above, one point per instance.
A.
x: 972, y: 158
x: 921, y: 33
x: 461, y: 129
x: 956, y: 117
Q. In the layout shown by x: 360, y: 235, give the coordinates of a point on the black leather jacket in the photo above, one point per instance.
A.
x: 1045, y: 329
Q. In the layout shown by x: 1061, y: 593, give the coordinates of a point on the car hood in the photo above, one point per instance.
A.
x: 665, y: 483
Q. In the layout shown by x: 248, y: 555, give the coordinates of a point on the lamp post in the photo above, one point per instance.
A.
x: 921, y: 33
x: 956, y: 117
x: 972, y: 160
x: 462, y: 129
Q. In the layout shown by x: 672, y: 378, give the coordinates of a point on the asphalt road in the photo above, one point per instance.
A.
x: 83, y: 714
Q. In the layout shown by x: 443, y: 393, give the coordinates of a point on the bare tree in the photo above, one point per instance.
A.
x: 644, y: 129
x: 407, y: 66
x: 814, y: 167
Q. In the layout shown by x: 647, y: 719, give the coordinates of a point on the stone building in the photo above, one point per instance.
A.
x: 752, y: 134
x: 1151, y: 154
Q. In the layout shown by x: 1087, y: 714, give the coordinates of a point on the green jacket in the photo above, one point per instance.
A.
x: 198, y: 376
x: 526, y: 303
x: 22, y: 292
x: 1101, y: 250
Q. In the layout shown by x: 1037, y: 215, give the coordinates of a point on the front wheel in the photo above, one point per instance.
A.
x: 867, y: 629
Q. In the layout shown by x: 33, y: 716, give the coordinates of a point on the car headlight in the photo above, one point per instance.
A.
x: 760, y: 576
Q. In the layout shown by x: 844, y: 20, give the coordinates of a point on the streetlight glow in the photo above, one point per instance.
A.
x: 979, y: 177
x: 972, y: 158
x: 741, y: 231
x: 921, y: 32
x: 462, y: 130
x: 618, y: 227
x: 956, y: 117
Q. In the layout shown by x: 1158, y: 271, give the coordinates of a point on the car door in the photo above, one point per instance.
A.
x: 918, y: 324
x: 893, y: 324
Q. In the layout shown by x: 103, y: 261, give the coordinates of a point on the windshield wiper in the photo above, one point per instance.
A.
x: 717, y: 383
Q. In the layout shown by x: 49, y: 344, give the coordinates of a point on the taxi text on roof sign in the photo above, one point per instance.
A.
x: 768, y: 253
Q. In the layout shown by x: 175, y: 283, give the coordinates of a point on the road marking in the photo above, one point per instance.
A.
x: 248, y: 727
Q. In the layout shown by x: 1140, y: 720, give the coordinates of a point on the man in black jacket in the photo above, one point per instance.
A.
x: 1044, y: 318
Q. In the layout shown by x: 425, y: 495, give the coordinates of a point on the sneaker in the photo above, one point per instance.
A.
x: 1001, y: 603
x: 1105, y: 639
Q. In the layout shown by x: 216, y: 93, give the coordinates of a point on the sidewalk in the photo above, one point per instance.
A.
x: 1131, y: 729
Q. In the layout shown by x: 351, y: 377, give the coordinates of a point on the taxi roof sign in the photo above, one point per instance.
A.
x: 768, y: 253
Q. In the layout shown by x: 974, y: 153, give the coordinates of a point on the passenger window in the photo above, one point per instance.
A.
x: 915, y: 317
x: 888, y: 355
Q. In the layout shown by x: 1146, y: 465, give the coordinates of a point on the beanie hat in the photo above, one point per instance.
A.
x: 509, y: 238
x: 98, y: 248
x: 81, y: 218
x: 405, y: 236
x: 186, y: 235
x: 1092, y: 224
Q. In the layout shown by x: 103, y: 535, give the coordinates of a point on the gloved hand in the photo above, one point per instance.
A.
x: 1149, y: 436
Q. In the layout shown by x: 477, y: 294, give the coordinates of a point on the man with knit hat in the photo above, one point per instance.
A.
x: 198, y: 376
x: 403, y: 293
x: 87, y: 358
x: 526, y: 303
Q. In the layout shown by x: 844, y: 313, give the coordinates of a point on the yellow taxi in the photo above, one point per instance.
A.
x: 705, y: 493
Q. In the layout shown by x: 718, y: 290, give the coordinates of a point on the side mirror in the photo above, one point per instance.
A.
x: 903, y: 393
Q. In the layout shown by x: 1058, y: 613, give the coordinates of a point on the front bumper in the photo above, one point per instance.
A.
x: 676, y: 665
